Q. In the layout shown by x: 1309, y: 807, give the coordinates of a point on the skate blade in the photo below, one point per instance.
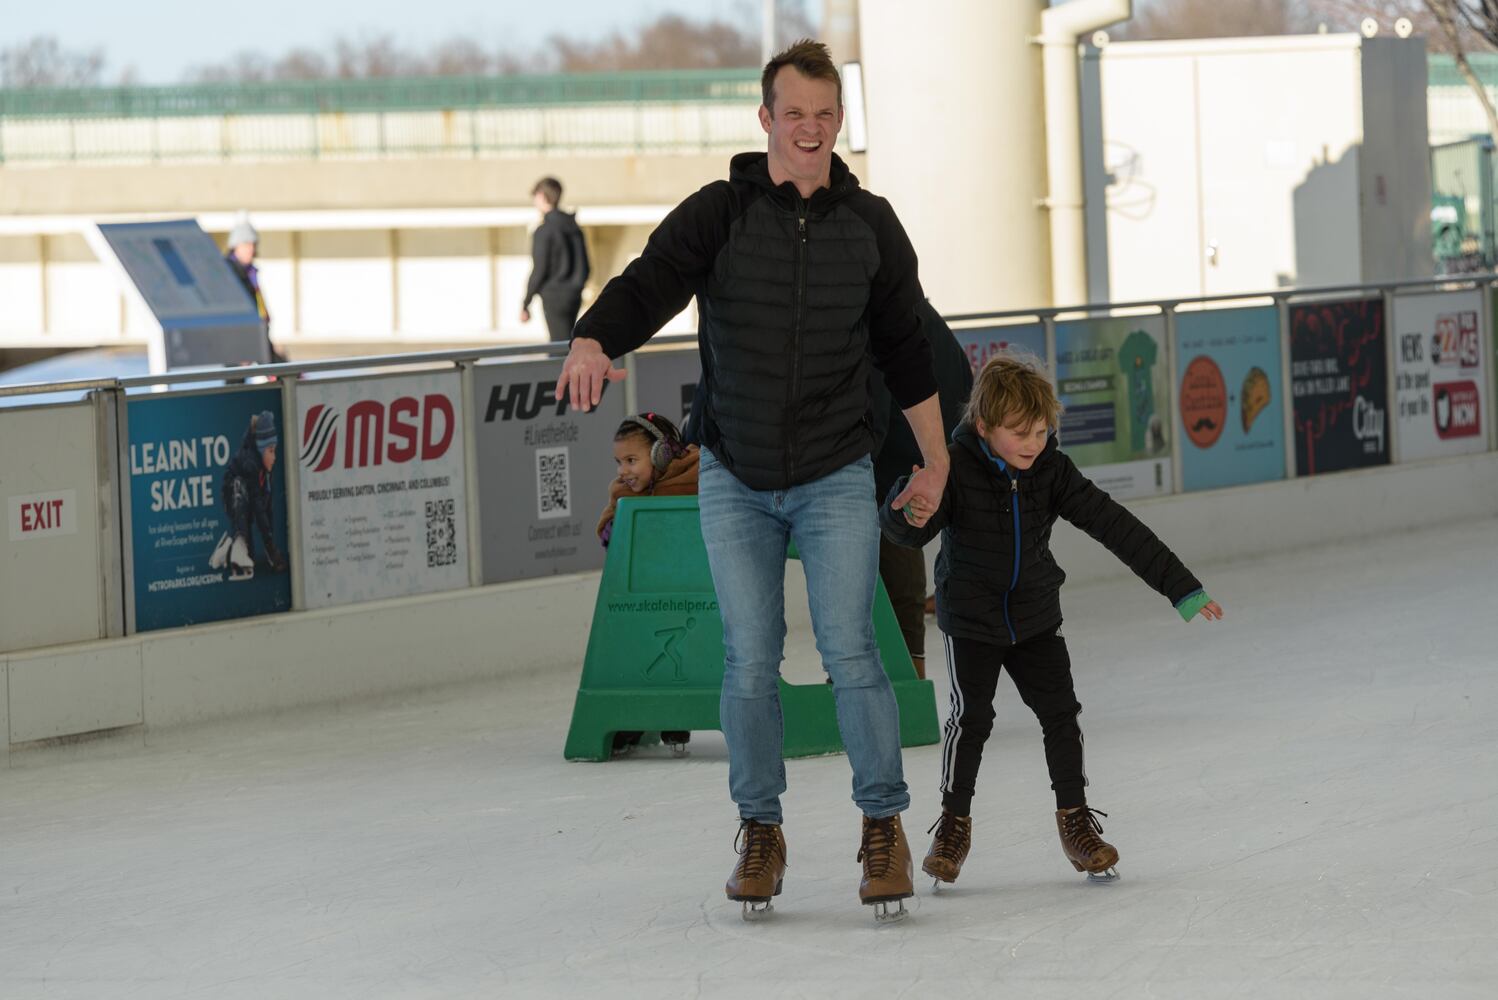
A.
x: 884, y: 915
x: 756, y: 910
x: 1107, y: 876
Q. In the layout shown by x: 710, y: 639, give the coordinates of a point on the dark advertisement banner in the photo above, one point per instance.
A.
x: 207, y: 507
x: 1231, y: 400
x: 543, y: 469
x: 1339, y: 376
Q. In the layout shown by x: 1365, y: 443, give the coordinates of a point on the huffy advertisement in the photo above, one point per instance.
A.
x: 1440, y: 375
x: 1231, y: 399
x: 382, y: 484
x: 1339, y: 377
x: 207, y: 507
x: 980, y: 343
x: 544, y: 469
x: 1111, y: 375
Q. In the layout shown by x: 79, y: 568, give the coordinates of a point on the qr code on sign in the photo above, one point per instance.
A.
x: 442, y: 533
x: 553, y: 484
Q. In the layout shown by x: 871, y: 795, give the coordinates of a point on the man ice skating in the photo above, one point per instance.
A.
x: 801, y: 278
x: 247, y: 502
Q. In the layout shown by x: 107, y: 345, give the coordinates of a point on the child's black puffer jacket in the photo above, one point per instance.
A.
x: 991, y: 589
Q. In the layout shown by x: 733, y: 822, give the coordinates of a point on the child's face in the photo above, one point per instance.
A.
x: 632, y: 457
x: 268, y: 457
x: 1019, y: 446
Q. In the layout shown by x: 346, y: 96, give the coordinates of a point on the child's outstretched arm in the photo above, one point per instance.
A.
x: 913, y: 526
x: 1079, y: 500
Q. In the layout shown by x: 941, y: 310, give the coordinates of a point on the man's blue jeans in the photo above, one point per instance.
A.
x: 834, y: 523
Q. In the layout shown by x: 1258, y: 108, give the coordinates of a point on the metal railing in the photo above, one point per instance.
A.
x: 436, y: 93
x: 470, y: 117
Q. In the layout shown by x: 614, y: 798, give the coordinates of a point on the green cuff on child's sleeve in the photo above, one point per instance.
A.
x: 1193, y: 603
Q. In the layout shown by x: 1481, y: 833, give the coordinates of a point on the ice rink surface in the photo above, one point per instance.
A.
x: 1305, y: 798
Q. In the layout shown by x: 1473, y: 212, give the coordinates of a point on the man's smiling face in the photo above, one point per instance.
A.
x: 803, y: 128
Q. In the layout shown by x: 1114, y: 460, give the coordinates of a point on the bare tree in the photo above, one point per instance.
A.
x: 670, y: 42
x: 1455, y: 27
x: 42, y: 62
x: 1481, y: 18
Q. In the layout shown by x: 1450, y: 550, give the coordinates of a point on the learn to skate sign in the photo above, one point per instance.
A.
x: 180, y: 452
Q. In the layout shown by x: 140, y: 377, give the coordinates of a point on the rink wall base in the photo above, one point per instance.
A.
x: 193, y: 676
x: 188, y: 676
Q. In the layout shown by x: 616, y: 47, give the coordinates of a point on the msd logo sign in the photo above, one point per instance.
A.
x: 43, y: 515
x: 371, y: 432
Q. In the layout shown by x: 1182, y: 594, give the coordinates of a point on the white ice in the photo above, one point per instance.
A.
x: 1303, y: 797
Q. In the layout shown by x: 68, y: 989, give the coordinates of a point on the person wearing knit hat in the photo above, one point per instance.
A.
x: 248, y: 502
x: 244, y: 244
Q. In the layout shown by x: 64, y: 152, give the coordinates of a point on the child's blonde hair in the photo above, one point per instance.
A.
x: 1012, y: 392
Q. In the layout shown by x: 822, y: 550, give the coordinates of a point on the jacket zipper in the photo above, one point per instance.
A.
x: 1013, y: 580
x: 790, y: 451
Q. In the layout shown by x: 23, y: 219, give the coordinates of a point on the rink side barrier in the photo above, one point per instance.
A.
x: 655, y: 648
x: 1418, y: 452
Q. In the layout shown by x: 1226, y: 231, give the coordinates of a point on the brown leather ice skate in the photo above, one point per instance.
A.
x: 760, y: 869
x: 1084, y: 848
x: 954, y: 835
x: 887, y: 869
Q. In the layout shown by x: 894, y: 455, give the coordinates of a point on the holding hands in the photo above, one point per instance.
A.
x: 921, y: 496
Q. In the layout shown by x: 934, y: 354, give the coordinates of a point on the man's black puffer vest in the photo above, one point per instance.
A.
x: 985, y: 592
x: 793, y: 296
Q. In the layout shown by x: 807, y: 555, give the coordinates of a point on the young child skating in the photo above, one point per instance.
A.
x: 998, y: 597
x: 652, y: 460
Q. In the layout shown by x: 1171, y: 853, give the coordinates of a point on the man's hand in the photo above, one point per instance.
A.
x: 525, y: 315
x: 1211, y: 611
x: 584, y: 374
x: 922, y: 493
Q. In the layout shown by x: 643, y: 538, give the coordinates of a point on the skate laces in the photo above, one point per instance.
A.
x: 757, y: 847
x: 1084, y: 829
x: 952, y: 836
x: 877, y: 852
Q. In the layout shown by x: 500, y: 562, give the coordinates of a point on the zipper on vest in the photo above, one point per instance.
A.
x: 790, y: 451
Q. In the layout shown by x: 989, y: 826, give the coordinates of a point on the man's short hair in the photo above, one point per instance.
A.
x: 812, y: 59
x: 1012, y: 392
x: 549, y: 188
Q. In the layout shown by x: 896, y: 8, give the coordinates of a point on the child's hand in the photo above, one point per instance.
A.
x: 918, y: 510
x: 1212, y: 611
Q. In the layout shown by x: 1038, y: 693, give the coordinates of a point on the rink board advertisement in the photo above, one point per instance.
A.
x: 383, y: 505
x: 201, y: 501
x: 980, y: 343
x: 1440, y: 376
x: 50, y: 546
x: 544, y: 471
x: 1339, y: 379
x: 665, y: 381
x: 1230, y: 400
x: 1112, y: 377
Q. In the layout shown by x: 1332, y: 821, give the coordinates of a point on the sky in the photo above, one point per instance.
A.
x: 163, y: 39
